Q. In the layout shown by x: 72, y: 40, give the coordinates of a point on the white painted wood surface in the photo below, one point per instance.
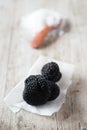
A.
x: 16, y: 57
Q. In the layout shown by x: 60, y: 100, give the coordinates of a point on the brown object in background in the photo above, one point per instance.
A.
x: 39, y: 38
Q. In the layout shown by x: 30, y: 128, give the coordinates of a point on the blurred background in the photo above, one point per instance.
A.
x: 16, y: 58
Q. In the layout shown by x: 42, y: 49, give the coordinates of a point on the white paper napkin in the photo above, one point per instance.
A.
x: 14, y: 99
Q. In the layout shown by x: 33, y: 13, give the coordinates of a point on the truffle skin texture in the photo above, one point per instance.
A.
x: 55, y: 91
x: 36, y: 91
x: 51, y: 72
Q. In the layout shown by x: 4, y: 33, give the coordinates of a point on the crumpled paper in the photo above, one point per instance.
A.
x: 14, y: 99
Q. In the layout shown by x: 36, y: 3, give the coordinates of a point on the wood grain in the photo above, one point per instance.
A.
x: 16, y: 57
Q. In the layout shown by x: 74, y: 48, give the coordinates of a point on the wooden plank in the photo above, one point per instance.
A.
x: 6, y: 34
x: 15, y: 61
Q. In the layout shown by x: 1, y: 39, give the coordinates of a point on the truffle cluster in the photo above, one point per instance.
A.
x: 42, y: 88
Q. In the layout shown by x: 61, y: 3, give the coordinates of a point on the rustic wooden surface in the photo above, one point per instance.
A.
x: 16, y: 57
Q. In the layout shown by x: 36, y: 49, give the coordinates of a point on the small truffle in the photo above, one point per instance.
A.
x: 51, y: 72
x: 55, y: 91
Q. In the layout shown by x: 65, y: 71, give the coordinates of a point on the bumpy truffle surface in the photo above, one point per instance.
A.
x: 51, y: 72
x: 36, y: 91
x: 55, y: 91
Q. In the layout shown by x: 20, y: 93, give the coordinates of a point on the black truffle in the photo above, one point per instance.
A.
x: 51, y: 72
x: 36, y: 91
x: 55, y: 91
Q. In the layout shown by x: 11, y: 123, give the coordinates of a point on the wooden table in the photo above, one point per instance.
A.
x: 16, y: 57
